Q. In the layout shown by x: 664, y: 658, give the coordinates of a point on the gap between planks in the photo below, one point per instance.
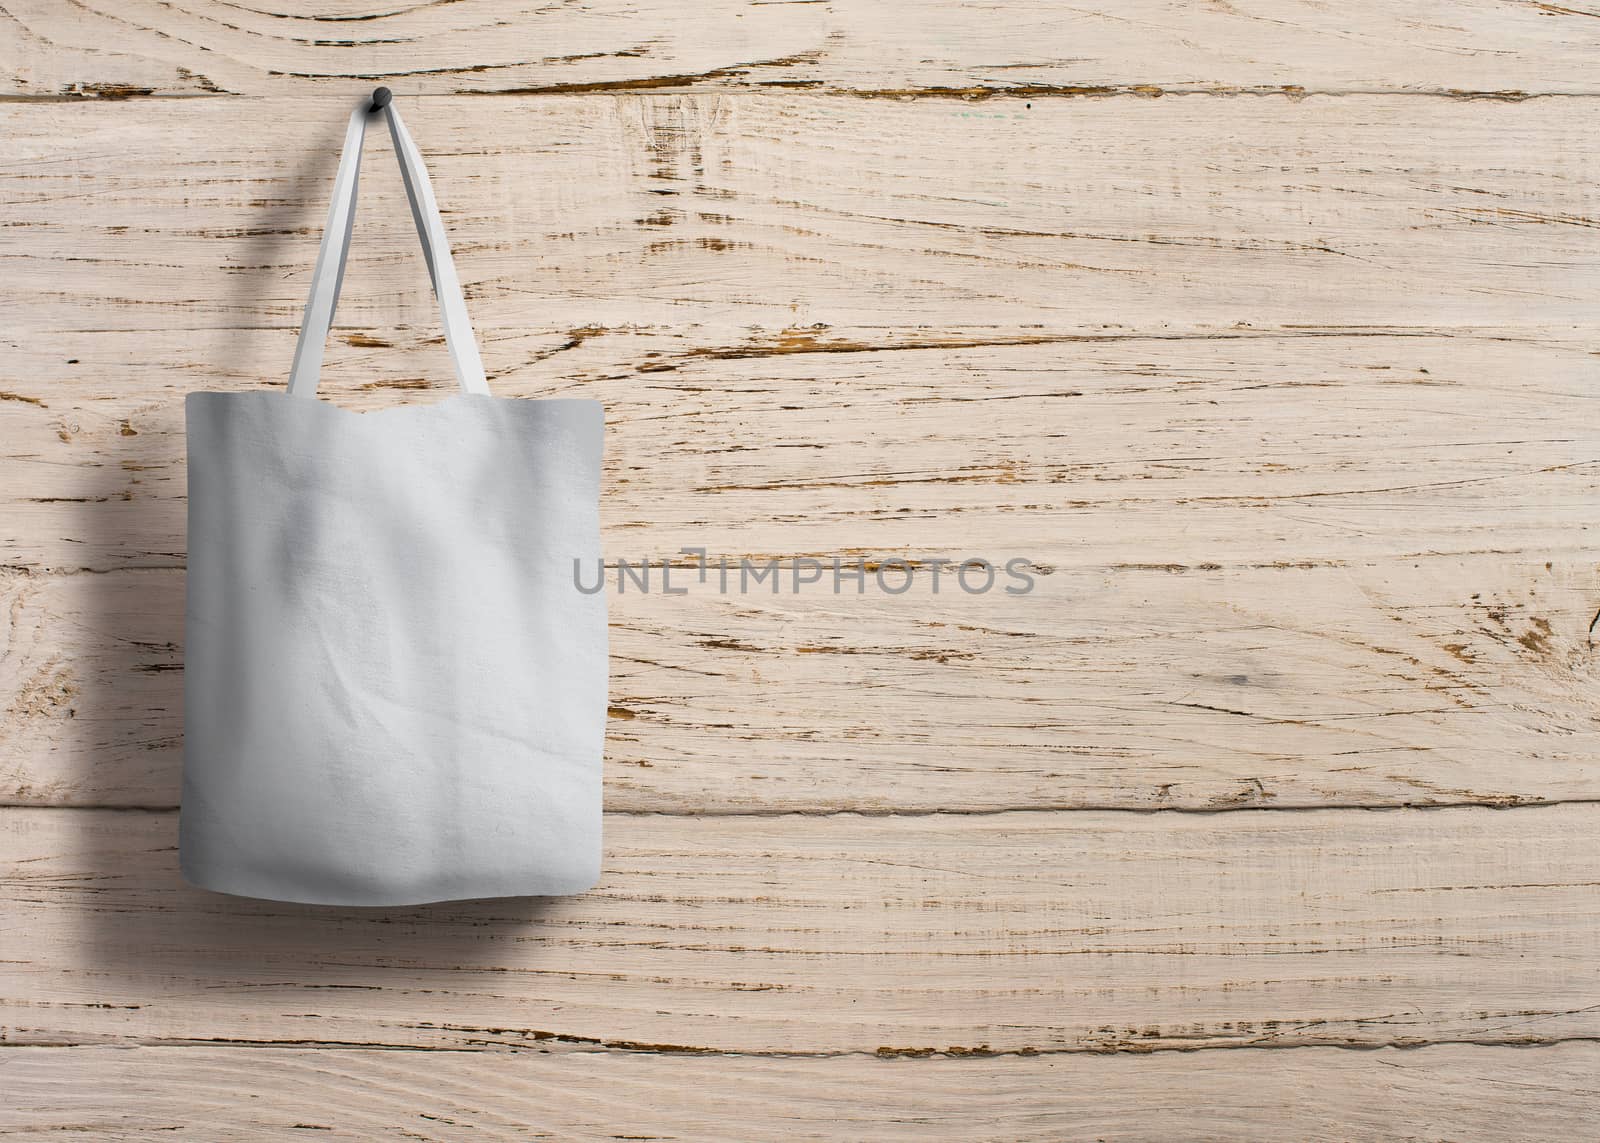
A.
x: 1488, y: 802
x: 549, y: 1043
x: 706, y: 84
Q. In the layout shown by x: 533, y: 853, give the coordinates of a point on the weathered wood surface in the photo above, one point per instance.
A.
x: 1010, y: 933
x: 204, y: 47
x: 1333, y: 555
x: 1446, y: 1092
x: 1284, y: 394
x: 724, y: 220
x: 1240, y: 452
x: 1436, y: 680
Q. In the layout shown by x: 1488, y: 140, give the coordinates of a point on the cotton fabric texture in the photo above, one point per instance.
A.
x: 394, y: 692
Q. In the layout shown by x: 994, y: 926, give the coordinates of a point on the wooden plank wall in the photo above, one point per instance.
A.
x: 1264, y: 331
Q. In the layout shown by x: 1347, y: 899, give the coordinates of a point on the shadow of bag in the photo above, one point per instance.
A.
x: 394, y: 692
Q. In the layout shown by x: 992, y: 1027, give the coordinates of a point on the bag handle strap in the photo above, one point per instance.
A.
x: 328, y: 277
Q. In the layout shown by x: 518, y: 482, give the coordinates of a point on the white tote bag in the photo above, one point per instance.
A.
x: 393, y: 692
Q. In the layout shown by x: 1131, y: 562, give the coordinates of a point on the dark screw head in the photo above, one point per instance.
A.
x: 380, y: 98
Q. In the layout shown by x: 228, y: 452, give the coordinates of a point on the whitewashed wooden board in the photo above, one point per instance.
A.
x: 223, y: 1094
x: 1108, y: 687
x: 1142, y: 47
x: 1264, y: 452
x: 1263, y: 329
x: 1019, y: 933
x: 727, y: 220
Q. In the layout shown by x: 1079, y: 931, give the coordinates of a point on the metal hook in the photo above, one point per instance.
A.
x: 380, y: 98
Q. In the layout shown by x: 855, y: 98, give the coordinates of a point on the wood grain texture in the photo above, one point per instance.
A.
x: 1251, y: 1096
x: 1287, y: 565
x: 1279, y: 382
x: 728, y: 219
x: 1000, y: 933
x: 98, y: 50
x: 1437, y: 681
x: 1249, y: 451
